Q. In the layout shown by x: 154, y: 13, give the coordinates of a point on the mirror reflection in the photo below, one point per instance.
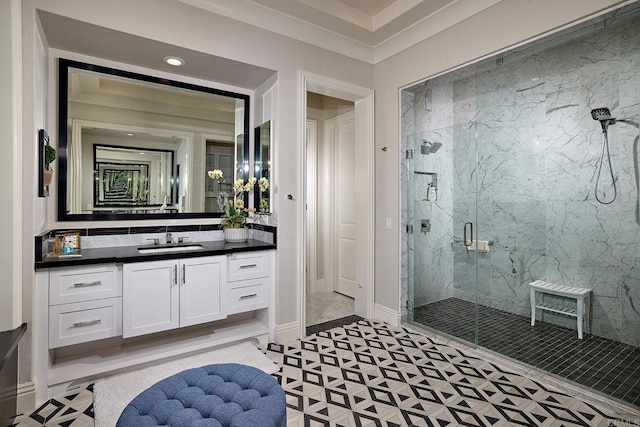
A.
x: 262, y: 162
x: 138, y: 147
x: 132, y: 177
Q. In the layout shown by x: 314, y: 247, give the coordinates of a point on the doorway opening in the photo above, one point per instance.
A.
x: 337, y: 282
x: 330, y: 212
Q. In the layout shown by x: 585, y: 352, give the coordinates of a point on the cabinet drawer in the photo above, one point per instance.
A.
x: 84, y: 321
x: 252, y: 265
x: 248, y: 298
x: 77, y: 284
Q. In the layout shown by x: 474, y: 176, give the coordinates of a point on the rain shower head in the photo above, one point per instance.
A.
x: 603, y: 115
x: 429, y: 147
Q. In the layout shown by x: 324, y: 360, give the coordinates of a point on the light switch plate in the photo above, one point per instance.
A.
x: 388, y: 223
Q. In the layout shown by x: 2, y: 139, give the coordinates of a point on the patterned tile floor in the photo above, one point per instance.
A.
x: 601, y: 364
x: 371, y: 374
x: 75, y: 409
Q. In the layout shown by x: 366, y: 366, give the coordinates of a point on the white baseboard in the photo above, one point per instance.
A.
x: 287, y: 332
x: 26, y: 397
x: 387, y: 315
x: 320, y: 285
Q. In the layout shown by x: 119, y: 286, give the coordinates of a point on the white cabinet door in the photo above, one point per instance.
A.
x: 201, y: 290
x: 150, y: 299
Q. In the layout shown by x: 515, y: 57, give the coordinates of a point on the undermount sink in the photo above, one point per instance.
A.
x: 165, y: 249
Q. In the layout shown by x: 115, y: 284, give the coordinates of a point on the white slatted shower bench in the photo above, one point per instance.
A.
x: 581, y: 295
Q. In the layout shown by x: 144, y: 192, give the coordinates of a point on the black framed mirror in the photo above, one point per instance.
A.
x: 133, y: 146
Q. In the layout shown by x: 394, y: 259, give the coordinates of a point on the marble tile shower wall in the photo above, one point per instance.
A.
x: 519, y: 141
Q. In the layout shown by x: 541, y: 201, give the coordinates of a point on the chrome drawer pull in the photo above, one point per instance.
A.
x: 87, y: 323
x: 248, y: 296
x: 248, y: 266
x: 85, y: 284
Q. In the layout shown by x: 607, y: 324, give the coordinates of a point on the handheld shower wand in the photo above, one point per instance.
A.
x: 603, y: 115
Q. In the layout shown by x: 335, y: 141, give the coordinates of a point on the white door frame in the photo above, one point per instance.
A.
x: 363, y: 101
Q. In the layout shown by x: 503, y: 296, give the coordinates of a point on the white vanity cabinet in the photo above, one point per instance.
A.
x: 84, y: 304
x: 91, y: 321
x: 248, y: 281
x: 163, y: 295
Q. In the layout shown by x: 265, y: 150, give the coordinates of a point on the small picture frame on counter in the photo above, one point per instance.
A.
x: 67, y: 245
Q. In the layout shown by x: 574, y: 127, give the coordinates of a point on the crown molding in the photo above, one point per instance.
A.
x: 431, y: 25
x: 276, y: 22
x: 387, y: 15
x: 255, y: 14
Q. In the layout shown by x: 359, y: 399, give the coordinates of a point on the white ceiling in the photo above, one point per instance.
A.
x: 369, y: 30
x: 366, y: 21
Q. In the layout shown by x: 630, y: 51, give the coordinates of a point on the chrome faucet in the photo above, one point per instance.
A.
x: 169, y: 238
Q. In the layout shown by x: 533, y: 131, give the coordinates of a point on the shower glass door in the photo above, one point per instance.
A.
x: 514, y: 146
x: 441, y: 180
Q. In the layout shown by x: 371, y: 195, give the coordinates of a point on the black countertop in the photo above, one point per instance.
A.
x: 9, y: 342
x: 124, y: 254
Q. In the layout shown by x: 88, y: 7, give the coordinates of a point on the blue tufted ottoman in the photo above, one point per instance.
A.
x: 221, y: 395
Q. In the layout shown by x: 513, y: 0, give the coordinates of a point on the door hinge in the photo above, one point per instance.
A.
x: 409, y: 154
x: 409, y: 228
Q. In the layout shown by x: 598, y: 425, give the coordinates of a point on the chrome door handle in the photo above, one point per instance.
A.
x: 184, y: 274
x: 464, y: 233
x: 175, y: 275
x: 85, y: 284
x: 88, y: 323
x: 242, y: 267
x: 248, y: 296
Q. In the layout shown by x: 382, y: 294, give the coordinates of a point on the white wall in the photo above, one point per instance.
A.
x: 10, y: 167
x: 503, y: 25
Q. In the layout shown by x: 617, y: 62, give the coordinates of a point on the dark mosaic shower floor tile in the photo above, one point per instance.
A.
x: 604, y: 365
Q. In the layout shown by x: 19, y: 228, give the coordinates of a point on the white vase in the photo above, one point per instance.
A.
x: 236, y: 234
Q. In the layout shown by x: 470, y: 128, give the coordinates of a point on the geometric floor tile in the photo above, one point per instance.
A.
x: 74, y: 409
x: 371, y: 374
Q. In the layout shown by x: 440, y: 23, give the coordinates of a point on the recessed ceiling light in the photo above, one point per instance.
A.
x: 129, y: 134
x: 173, y: 60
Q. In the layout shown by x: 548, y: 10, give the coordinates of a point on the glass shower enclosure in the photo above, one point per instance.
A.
x: 508, y: 179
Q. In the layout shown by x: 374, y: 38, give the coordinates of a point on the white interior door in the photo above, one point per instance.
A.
x: 342, y: 137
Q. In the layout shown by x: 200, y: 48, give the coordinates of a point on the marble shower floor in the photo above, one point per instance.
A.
x: 606, y: 366
x: 323, y: 307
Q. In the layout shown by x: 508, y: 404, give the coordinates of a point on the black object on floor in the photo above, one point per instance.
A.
x: 314, y: 329
x: 604, y: 365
